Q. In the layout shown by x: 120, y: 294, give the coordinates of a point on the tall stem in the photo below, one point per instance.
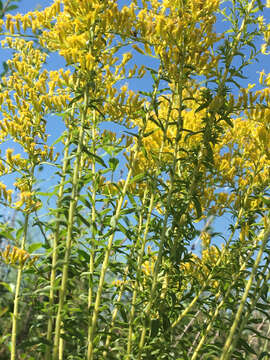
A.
x: 167, y: 214
x: 93, y: 219
x: 119, y: 297
x: 71, y: 213
x: 139, y: 267
x: 17, y: 295
x: 93, y: 324
x: 55, y: 251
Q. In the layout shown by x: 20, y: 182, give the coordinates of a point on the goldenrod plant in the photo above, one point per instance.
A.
x: 160, y: 129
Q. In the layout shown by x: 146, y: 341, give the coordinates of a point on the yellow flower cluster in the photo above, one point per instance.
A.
x: 68, y: 29
x: 26, y: 196
x: 198, y: 268
x: 164, y: 27
x: 242, y: 157
x: 25, y: 100
x: 166, y: 133
x: 6, y: 194
x: 17, y: 257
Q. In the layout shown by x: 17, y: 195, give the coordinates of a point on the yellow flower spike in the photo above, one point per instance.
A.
x: 8, y: 21
x: 14, y: 255
x: 5, y: 253
x: 56, y: 157
x: 2, y: 167
x: 50, y: 155
x: 262, y: 74
x: 136, y: 47
x: 206, y: 239
x: 9, y: 153
x: 18, y: 19
x: 21, y: 254
x: 126, y: 57
x: 9, y: 195
x: 32, y: 261
x: 141, y: 71
x: 147, y: 49
x: 124, y: 88
x: 24, y: 259
x: 264, y: 49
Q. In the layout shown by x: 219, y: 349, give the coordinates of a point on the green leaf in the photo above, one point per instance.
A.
x: 113, y: 163
x: 48, y: 194
x: 7, y: 286
x: 149, y: 133
x: 260, y: 5
x: 75, y: 99
x: 202, y: 106
x: 228, y: 121
x: 127, y: 211
x: 34, y: 247
x: 265, y: 200
x: 123, y: 313
x: 6, y: 234
x: 145, y: 93
x: 19, y: 233
x: 263, y: 306
x: 132, y: 134
x: 3, y: 311
x: 86, y: 222
x: 165, y: 321
x: 84, y: 254
x: 12, y: 7
x: 197, y: 206
x: 263, y: 354
x: 155, y: 325
x: 44, y: 290
x: 258, y: 333
x: 123, y: 230
x: 95, y: 156
x: 137, y: 178
x: 245, y: 346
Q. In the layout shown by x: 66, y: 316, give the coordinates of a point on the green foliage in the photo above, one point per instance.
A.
x: 109, y: 268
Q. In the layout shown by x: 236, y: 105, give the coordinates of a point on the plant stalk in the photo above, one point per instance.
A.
x: 71, y: 213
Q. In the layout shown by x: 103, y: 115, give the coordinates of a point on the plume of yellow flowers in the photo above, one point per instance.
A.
x: 18, y: 257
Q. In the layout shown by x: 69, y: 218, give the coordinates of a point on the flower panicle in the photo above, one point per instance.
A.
x: 17, y: 257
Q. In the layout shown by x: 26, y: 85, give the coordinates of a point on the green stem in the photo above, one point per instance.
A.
x: 119, y: 297
x: 219, y: 260
x: 93, y: 219
x: 139, y: 270
x: 93, y: 324
x: 108, y: 339
x: 254, y: 300
x: 214, y: 316
x: 228, y: 348
x: 17, y: 295
x: 55, y: 251
x: 167, y: 215
x: 19, y: 276
x: 71, y: 213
